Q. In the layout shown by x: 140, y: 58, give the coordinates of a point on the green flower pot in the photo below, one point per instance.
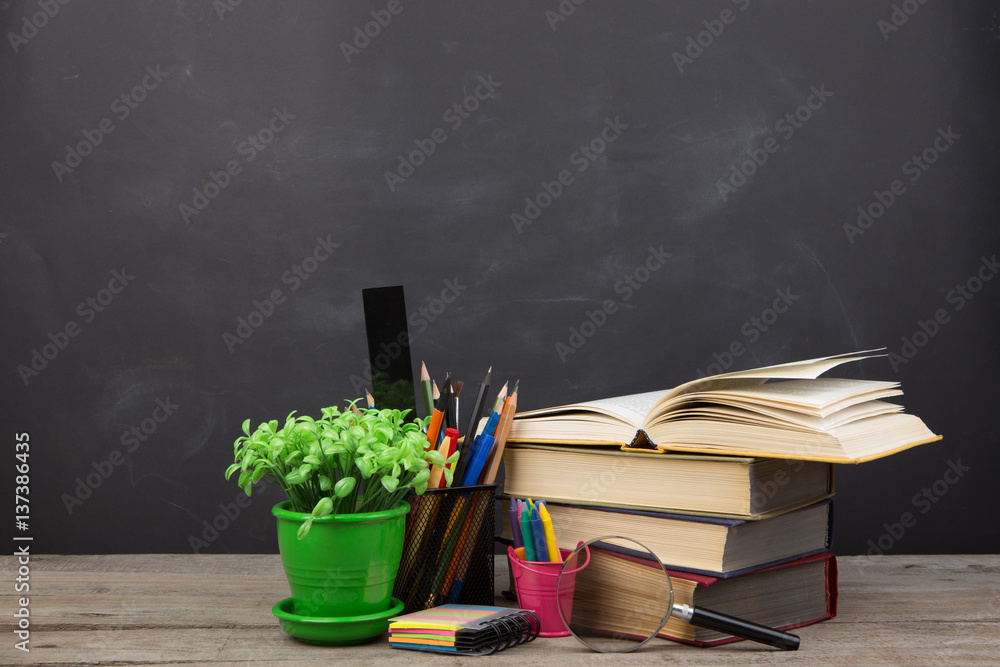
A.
x: 346, y: 565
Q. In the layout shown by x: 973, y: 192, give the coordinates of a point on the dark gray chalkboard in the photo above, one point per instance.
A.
x: 595, y: 198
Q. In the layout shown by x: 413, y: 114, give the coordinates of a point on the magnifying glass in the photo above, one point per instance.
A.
x: 624, y: 597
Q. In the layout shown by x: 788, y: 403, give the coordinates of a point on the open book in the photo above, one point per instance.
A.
x: 776, y: 411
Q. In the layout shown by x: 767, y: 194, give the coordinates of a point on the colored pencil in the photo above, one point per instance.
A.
x: 447, y: 550
x: 434, y: 429
x: 501, y: 397
x: 470, y: 432
x: 426, y: 390
x: 493, y: 467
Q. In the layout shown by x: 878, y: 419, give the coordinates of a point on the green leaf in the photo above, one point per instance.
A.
x: 325, y: 484
x: 323, y: 507
x: 246, y: 427
x: 421, y: 477
x: 295, y: 477
x: 390, y: 483
x: 304, y: 528
x: 344, y: 486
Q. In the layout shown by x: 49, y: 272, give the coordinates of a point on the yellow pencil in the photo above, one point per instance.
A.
x: 550, y: 534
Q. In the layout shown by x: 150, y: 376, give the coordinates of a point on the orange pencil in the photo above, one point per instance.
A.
x: 459, y: 554
x: 434, y: 429
x: 493, y: 466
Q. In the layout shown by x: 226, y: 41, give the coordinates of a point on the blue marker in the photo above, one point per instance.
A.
x: 538, y: 536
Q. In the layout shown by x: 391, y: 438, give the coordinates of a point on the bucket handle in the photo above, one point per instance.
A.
x: 524, y: 564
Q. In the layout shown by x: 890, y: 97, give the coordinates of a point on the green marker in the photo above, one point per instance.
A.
x: 529, y: 543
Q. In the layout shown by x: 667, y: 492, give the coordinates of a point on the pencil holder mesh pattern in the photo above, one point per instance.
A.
x: 448, y: 548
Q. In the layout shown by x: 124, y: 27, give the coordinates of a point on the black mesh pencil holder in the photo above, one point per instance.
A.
x: 448, y: 549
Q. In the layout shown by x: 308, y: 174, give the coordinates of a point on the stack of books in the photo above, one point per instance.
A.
x: 727, y: 479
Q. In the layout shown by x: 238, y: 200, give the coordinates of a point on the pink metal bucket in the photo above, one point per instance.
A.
x: 536, y: 588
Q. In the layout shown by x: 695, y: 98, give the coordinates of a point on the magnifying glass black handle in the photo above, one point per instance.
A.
x: 713, y: 620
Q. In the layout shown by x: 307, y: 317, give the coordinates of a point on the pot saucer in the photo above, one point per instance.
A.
x: 333, y: 631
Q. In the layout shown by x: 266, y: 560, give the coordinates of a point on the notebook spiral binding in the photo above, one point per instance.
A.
x: 511, y: 630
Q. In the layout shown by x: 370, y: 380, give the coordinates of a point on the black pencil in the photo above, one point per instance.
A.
x: 470, y: 432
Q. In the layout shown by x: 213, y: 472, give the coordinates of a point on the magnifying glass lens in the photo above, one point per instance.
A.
x: 615, y: 595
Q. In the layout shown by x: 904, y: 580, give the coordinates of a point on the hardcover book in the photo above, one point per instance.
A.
x: 787, y: 596
x: 735, y: 487
x: 715, y: 547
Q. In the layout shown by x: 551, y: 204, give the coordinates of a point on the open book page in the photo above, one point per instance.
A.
x: 808, y: 369
x: 632, y: 408
x: 821, y: 397
x: 733, y: 412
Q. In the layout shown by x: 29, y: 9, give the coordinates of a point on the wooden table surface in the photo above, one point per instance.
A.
x: 207, y: 609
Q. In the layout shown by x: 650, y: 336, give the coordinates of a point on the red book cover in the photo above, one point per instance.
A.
x: 706, y: 581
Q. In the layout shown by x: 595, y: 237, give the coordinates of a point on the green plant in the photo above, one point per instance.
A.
x: 342, y: 463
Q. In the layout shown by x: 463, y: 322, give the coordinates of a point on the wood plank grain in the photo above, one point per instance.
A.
x: 185, y: 609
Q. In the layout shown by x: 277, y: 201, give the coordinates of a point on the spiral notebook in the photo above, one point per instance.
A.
x: 463, y: 629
